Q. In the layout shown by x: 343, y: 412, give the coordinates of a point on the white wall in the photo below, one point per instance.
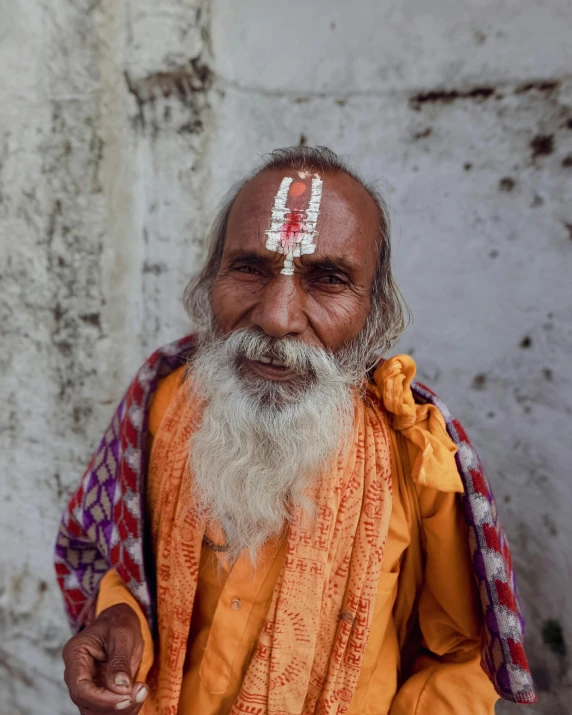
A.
x: 122, y: 124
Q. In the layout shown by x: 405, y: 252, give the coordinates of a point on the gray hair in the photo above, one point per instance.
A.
x: 389, y: 315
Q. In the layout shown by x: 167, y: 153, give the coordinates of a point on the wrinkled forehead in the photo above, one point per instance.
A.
x: 347, y: 214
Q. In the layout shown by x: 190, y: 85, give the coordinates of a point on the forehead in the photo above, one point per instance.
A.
x: 348, y: 224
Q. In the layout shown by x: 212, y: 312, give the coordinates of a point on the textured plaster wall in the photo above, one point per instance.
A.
x: 121, y: 126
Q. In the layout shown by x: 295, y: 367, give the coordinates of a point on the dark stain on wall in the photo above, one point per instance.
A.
x: 448, y: 96
x: 195, y: 126
x: 542, y: 145
x: 507, y: 183
x: 479, y: 381
x: 59, y: 485
x: 423, y: 134
x: 553, y: 636
x: 548, y: 87
x: 154, y: 268
x: 73, y: 295
x: 92, y: 319
x: 185, y: 84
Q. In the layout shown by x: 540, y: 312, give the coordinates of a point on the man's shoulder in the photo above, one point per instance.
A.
x: 166, y: 390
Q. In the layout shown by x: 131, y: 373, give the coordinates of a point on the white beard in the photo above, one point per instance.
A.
x: 260, y: 444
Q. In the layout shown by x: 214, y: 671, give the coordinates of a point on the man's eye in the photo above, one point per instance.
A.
x: 247, y: 269
x: 331, y: 279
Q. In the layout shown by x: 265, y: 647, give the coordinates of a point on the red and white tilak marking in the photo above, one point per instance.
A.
x: 292, y: 232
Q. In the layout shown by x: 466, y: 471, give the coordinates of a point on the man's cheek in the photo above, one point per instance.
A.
x: 229, y: 301
x: 342, y: 324
x: 223, y: 294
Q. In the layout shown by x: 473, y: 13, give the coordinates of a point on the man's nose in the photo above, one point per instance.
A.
x: 280, y: 310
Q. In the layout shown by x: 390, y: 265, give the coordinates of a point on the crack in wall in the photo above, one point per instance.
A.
x: 186, y: 85
x: 419, y: 95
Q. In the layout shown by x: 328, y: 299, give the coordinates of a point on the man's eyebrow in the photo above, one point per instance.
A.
x: 331, y: 264
x: 245, y: 256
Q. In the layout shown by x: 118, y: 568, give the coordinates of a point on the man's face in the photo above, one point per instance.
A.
x: 326, y: 301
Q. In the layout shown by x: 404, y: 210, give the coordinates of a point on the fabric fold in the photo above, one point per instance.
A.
x: 422, y: 425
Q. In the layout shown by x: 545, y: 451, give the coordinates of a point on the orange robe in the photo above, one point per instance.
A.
x: 428, y: 664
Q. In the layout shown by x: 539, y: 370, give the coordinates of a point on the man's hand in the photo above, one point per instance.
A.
x: 102, y: 661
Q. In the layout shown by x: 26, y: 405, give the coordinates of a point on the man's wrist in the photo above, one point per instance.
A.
x: 120, y: 614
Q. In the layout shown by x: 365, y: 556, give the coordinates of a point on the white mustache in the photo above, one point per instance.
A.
x: 289, y: 352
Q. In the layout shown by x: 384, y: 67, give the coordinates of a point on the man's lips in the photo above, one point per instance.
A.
x: 278, y: 373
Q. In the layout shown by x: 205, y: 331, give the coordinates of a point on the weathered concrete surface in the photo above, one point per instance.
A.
x: 122, y: 124
x: 101, y: 136
x: 374, y: 46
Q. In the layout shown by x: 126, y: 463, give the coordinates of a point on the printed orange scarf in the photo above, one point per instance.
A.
x: 309, y: 655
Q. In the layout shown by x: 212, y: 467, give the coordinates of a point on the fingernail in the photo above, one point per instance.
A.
x: 142, y: 694
x: 122, y: 704
x: 121, y: 679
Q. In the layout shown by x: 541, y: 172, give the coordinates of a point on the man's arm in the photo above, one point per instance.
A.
x: 447, y: 677
x: 101, y: 663
x: 107, y: 663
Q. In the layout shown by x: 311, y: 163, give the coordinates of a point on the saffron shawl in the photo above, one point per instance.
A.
x: 309, y: 654
x: 103, y: 527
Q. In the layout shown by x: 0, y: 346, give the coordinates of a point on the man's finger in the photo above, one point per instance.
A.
x: 80, y: 655
x: 140, y: 693
x: 126, y: 706
x: 86, y: 694
x: 81, y: 665
x: 121, y: 647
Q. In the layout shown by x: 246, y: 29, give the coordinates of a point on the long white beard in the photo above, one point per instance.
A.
x: 261, y: 443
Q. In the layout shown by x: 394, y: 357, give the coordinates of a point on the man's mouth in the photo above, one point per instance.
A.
x: 270, y: 368
x: 267, y: 360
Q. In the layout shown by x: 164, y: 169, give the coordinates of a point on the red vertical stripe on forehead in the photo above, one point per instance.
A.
x: 297, y: 189
x: 292, y: 227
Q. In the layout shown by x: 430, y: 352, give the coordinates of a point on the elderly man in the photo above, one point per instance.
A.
x: 278, y: 520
